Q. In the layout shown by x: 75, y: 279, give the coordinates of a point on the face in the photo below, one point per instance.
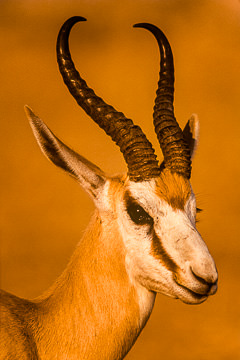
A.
x: 165, y: 252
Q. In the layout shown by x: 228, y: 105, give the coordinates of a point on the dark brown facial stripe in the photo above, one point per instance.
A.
x: 160, y: 253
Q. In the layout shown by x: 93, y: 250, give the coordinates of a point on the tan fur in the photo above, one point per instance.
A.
x: 91, y: 312
x: 173, y: 188
x: 16, y: 338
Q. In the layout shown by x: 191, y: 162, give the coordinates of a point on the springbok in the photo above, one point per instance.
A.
x: 142, y: 239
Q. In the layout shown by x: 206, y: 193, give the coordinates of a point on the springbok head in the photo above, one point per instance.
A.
x: 153, y: 206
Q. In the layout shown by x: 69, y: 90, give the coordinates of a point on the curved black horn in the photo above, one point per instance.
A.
x: 170, y: 136
x: 137, y: 150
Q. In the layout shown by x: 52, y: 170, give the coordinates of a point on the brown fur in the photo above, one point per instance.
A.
x: 173, y: 188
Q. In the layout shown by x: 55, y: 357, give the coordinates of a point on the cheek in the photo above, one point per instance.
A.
x: 141, y: 265
x: 137, y: 241
x: 150, y: 273
x: 140, y: 262
x: 135, y: 238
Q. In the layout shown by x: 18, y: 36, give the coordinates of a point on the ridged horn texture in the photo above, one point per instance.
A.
x: 137, y: 150
x: 170, y: 136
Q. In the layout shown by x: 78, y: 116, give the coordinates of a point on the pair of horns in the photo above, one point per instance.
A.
x: 137, y: 150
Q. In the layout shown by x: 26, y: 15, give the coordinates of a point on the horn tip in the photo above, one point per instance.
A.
x: 140, y: 25
x: 78, y: 18
x: 73, y: 20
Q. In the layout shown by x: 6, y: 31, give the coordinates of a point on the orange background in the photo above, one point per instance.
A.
x: 44, y: 212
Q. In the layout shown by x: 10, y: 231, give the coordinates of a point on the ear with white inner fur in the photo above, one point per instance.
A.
x: 191, y: 133
x: 90, y: 177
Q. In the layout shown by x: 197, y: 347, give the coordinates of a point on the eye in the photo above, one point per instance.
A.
x: 138, y: 215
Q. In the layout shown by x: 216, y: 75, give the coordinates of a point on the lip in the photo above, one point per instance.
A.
x: 190, y: 297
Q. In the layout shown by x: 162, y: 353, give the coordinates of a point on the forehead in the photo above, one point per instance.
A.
x: 174, y: 189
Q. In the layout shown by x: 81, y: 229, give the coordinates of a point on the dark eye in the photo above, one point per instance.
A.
x: 138, y: 214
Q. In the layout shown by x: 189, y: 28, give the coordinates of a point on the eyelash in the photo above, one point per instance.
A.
x: 198, y: 210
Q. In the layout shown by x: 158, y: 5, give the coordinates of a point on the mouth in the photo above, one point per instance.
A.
x: 188, y: 296
x: 193, y: 290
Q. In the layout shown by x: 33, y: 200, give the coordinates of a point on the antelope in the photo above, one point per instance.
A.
x: 142, y: 239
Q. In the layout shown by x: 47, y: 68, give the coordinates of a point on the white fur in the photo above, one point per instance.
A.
x: 180, y: 239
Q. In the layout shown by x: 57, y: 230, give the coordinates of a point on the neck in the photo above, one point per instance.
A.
x: 93, y: 310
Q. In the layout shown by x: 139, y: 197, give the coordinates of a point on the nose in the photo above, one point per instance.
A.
x: 208, y: 278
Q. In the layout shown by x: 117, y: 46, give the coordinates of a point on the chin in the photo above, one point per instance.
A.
x: 195, y: 299
x: 184, y: 294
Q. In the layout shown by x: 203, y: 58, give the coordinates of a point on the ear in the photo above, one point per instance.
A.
x: 191, y: 133
x: 90, y: 177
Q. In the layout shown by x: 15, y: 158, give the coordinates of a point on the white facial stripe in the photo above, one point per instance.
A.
x: 161, y: 211
x: 150, y: 272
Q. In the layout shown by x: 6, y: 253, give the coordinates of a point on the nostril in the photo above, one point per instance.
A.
x: 208, y: 280
x: 208, y: 283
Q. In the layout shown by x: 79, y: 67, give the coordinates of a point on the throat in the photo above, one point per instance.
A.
x: 93, y: 310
